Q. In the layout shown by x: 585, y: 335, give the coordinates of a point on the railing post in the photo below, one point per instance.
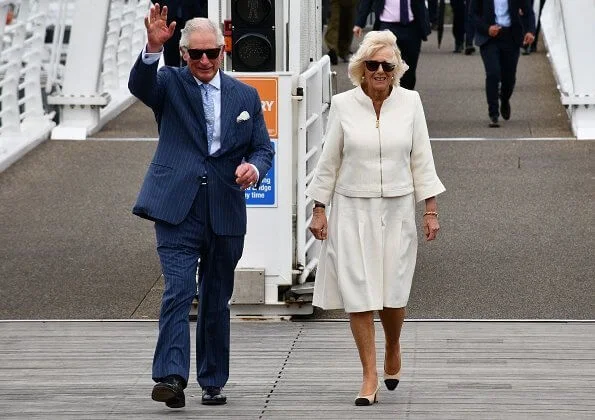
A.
x: 81, y: 98
x: 569, y: 31
x: 312, y: 106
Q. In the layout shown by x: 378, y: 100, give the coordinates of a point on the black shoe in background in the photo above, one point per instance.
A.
x: 333, y: 56
x: 211, y: 395
x: 526, y: 50
x: 494, y: 122
x: 458, y: 49
x: 170, y: 391
x: 505, y: 109
x: 470, y: 49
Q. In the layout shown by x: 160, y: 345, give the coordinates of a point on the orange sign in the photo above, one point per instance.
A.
x: 267, y: 90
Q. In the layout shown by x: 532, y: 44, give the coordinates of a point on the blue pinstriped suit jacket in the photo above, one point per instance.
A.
x: 172, y: 180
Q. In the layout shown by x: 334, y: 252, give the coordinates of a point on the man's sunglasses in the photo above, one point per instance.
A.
x: 372, y: 65
x: 212, y: 53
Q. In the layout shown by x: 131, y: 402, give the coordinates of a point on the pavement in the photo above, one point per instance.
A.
x: 516, y: 239
x: 57, y: 370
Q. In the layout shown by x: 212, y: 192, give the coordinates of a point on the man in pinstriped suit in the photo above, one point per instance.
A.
x: 213, y: 144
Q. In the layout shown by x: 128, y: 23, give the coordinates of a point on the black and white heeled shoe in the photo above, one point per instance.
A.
x: 362, y: 400
x: 391, y: 381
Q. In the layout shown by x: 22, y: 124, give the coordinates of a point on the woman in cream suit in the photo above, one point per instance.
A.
x: 375, y: 164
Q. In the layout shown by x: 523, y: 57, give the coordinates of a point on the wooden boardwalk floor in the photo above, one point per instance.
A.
x: 289, y: 370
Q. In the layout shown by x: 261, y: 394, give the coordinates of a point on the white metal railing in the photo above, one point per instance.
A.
x: 84, y: 79
x: 568, y: 31
x: 315, y: 85
x: 59, y: 24
x: 86, y: 103
x: 23, y: 121
x: 20, y: 67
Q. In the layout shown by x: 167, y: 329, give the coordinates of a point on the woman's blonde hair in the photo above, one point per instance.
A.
x: 372, y: 43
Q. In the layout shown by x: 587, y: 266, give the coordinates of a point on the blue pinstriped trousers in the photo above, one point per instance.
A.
x: 179, y: 248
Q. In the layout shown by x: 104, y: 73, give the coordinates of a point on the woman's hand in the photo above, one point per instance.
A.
x: 430, y: 219
x: 431, y: 226
x: 157, y: 29
x: 319, y: 224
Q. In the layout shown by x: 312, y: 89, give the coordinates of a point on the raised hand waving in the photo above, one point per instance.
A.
x: 158, y: 31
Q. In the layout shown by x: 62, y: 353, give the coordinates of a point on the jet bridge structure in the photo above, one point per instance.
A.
x: 64, y: 67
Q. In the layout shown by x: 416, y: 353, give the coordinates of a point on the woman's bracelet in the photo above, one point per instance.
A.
x: 431, y: 213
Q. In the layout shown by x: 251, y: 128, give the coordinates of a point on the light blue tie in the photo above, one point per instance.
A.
x: 209, y: 107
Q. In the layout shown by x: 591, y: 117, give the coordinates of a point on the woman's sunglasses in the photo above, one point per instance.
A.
x: 212, y: 53
x: 372, y: 65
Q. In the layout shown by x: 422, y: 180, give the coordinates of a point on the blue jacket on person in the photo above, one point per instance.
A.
x: 182, y: 159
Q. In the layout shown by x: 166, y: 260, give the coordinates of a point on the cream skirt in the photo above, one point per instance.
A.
x: 368, y: 260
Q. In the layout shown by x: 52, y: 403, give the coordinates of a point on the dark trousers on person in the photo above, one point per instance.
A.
x: 538, y: 29
x: 469, y: 25
x: 179, y: 248
x: 500, y: 57
x: 433, y: 11
x: 339, y: 32
x: 458, y: 21
x: 409, y: 42
x: 463, y: 29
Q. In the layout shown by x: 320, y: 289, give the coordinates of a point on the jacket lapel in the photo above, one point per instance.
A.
x: 195, y: 100
x: 228, y: 108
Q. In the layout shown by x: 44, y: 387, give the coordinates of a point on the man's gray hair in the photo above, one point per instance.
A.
x: 200, y: 24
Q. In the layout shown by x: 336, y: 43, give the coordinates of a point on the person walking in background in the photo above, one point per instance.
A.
x: 324, y: 12
x: 433, y: 12
x: 462, y: 27
x: 407, y: 19
x: 469, y: 29
x: 179, y: 11
x: 502, y: 27
x: 339, y: 33
x: 213, y: 144
x: 528, y: 49
x: 376, y: 163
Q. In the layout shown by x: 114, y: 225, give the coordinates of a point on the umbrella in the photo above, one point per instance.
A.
x: 441, y: 7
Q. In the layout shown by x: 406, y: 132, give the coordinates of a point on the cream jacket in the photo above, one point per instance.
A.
x: 367, y: 157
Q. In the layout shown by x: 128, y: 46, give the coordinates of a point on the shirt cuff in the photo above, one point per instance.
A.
x: 150, y: 58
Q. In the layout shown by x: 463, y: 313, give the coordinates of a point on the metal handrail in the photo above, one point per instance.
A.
x: 315, y: 84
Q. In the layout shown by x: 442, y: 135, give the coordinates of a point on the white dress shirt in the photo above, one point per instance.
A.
x: 392, y: 11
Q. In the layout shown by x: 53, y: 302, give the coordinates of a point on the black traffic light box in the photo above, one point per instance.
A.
x: 253, y: 35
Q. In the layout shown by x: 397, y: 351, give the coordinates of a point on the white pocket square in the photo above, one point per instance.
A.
x: 244, y: 116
